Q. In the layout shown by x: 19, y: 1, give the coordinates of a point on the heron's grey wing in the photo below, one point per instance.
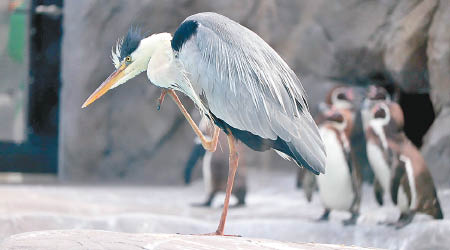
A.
x: 246, y: 84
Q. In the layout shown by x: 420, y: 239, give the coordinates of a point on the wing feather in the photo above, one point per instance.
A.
x: 249, y: 86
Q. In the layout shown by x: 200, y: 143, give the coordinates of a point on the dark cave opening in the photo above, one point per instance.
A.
x: 419, y: 115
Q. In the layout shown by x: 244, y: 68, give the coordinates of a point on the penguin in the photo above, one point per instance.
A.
x: 410, y: 183
x: 374, y: 95
x: 215, y: 174
x: 339, y: 186
x: 215, y: 171
x: 339, y: 97
x: 374, y: 146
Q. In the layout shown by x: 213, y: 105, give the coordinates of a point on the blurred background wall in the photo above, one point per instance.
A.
x: 403, y: 45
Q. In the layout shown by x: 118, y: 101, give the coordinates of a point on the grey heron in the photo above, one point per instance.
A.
x: 234, y: 78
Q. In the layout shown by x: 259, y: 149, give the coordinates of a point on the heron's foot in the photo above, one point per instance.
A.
x: 161, y: 99
x: 218, y: 234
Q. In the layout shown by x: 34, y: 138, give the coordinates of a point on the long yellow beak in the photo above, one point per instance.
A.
x: 106, y: 85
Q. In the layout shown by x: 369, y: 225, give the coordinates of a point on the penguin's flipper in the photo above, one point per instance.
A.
x: 197, y: 153
x: 356, y: 178
x: 379, y: 192
x: 399, y: 173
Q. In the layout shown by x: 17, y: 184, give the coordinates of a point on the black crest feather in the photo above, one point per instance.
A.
x: 130, y: 42
x: 183, y: 33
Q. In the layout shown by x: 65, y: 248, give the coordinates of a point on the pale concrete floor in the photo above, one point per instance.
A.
x: 275, y: 210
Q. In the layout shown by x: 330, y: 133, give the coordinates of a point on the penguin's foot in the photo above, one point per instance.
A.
x: 352, y: 220
x: 324, y: 216
x: 385, y: 223
x: 404, y: 220
x: 237, y: 205
x: 203, y: 204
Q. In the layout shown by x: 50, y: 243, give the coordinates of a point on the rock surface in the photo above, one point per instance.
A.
x: 99, y: 240
x: 436, y: 148
x: 438, y: 53
x: 405, y: 52
x: 274, y: 210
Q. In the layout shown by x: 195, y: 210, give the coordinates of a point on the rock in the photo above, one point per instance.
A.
x: 405, y: 49
x: 436, y: 148
x: 93, y: 240
x: 274, y: 210
x: 438, y: 53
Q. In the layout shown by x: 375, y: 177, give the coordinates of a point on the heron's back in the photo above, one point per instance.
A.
x: 248, y: 88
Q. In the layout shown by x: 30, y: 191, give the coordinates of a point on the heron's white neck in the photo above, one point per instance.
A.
x: 166, y: 71
x: 148, y: 47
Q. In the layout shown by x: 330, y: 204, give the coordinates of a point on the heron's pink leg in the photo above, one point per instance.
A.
x: 208, y: 145
x: 233, y: 165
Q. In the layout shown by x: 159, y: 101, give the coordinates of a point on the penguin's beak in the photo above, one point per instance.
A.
x: 106, y: 85
x: 378, y: 111
x: 335, y: 116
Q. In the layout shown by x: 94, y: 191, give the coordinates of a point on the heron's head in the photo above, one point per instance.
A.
x: 130, y: 57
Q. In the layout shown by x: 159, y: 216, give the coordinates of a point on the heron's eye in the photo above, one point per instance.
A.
x: 128, y: 59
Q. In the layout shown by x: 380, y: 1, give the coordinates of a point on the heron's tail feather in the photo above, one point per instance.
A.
x: 303, y: 143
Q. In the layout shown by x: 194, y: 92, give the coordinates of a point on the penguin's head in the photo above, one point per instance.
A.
x: 341, y: 97
x: 389, y: 115
x: 341, y: 119
x: 377, y: 93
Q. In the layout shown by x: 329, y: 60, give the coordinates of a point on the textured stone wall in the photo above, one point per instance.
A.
x: 325, y: 42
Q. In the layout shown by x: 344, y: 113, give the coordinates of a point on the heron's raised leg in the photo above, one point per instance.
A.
x: 233, y: 165
x: 161, y: 99
x: 208, y: 145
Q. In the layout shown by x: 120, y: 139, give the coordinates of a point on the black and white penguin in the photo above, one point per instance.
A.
x: 339, y: 97
x: 339, y: 186
x: 407, y: 179
x: 215, y: 174
x: 215, y: 170
x: 375, y: 144
x: 374, y: 95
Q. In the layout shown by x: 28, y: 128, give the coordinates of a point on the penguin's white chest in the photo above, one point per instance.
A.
x: 379, y: 165
x: 335, y: 186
